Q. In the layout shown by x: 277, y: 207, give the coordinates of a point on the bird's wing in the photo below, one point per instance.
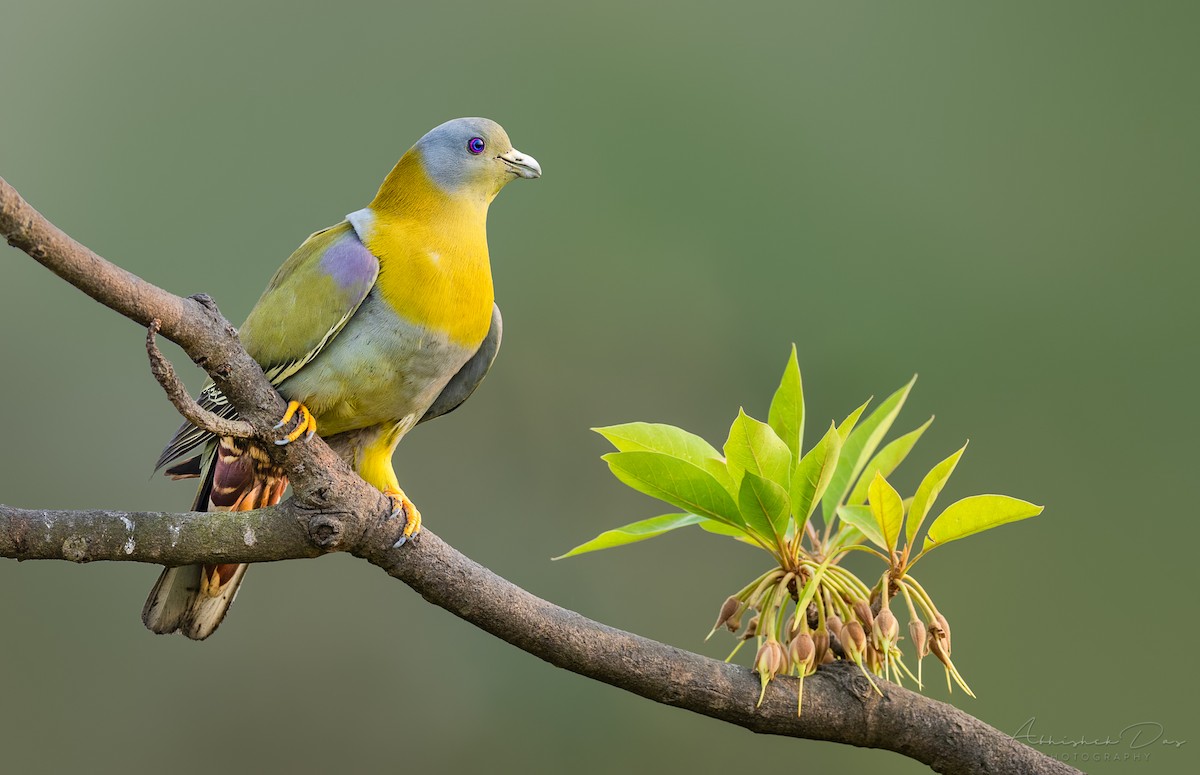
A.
x: 463, y: 384
x: 308, y: 301
x: 306, y: 304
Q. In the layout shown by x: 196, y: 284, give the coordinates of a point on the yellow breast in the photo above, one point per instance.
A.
x: 433, y: 255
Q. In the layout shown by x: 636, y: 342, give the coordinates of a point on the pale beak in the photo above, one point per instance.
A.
x: 521, y: 164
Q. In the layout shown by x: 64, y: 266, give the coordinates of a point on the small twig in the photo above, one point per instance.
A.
x: 203, y: 419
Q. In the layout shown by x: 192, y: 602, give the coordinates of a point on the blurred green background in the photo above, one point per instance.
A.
x: 1001, y: 197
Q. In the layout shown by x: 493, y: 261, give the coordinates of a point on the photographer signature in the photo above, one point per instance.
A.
x: 1139, y: 735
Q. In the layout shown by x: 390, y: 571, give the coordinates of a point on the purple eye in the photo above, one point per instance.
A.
x: 475, y: 145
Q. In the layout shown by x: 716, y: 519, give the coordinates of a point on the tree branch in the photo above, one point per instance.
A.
x: 333, y: 510
x: 163, y: 538
x: 183, y: 402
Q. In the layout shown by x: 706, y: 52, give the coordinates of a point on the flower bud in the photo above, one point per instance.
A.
x: 820, y: 645
x: 834, y: 623
x: 937, y: 644
x: 751, y: 628
x: 770, y: 660
x: 862, y: 609
x: 802, y: 652
x: 916, y: 632
x: 945, y: 627
x: 872, y: 658
x: 887, y: 629
x: 728, y: 609
x: 854, y: 640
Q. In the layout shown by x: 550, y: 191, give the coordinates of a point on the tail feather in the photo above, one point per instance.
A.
x: 193, y: 599
x: 187, y: 600
x: 171, y: 599
x: 188, y: 469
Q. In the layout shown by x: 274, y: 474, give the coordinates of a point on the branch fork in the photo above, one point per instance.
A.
x: 179, y: 397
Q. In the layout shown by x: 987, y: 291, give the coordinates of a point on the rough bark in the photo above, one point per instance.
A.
x: 333, y: 510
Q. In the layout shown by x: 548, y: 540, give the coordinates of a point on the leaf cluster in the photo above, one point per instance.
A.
x: 808, y: 509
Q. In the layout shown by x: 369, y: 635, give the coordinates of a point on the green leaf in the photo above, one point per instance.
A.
x: 632, y: 533
x: 810, y: 588
x: 928, y: 491
x: 764, y: 506
x: 861, y: 445
x: 753, y: 446
x: 851, y: 420
x: 677, y: 482
x: 976, y: 514
x: 885, y: 462
x: 669, y: 440
x: 813, y: 473
x: 786, y: 416
x: 721, y: 529
x: 888, y: 509
x: 861, y: 519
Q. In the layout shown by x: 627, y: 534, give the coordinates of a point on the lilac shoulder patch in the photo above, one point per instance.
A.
x: 351, y: 265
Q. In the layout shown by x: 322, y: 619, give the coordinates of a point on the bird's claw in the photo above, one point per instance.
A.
x: 403, y: 507
x: 306, y: 426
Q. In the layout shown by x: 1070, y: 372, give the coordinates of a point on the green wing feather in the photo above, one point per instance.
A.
x: 308, y: 301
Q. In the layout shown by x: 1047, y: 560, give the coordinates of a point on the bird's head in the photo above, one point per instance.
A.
x: 472, y: 157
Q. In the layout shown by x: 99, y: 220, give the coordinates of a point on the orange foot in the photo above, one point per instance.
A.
x: 306, y: 426
x: 403, y: 507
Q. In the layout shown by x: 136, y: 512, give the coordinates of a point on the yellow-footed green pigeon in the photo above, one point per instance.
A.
x: 372, y: 326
